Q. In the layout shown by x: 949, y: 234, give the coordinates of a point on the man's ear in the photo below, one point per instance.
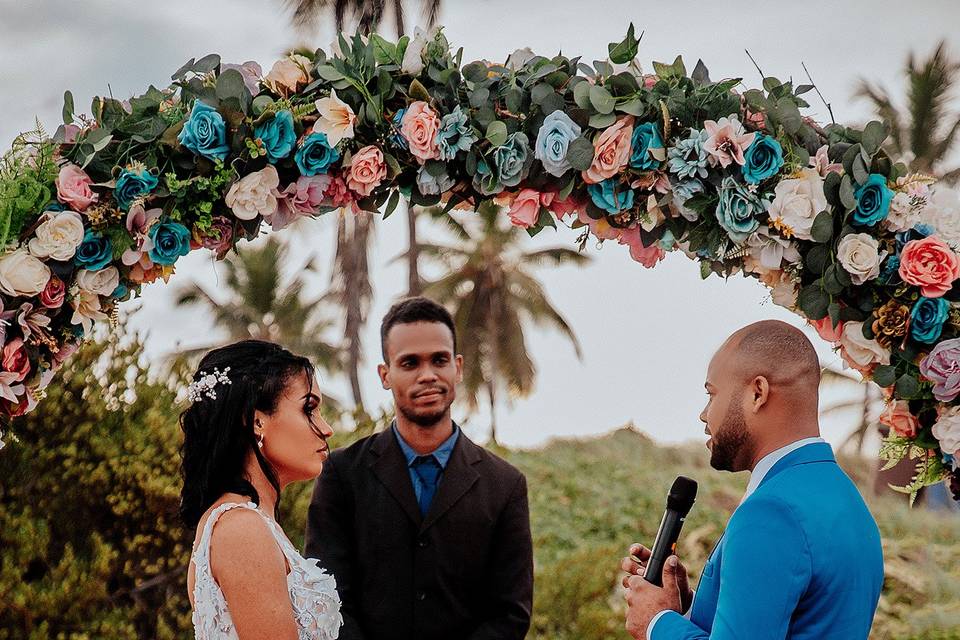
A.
x: 459, y: 361
x: 384, y: 372
x: 760, y: 390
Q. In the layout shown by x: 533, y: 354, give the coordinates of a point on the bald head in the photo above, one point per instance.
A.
x: 777, y: 351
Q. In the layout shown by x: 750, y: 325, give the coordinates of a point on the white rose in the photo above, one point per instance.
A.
x: 254, y: 194
x: 58, y: 236
x: 519, y: 58
x: 21, y: 274
x: 947, y: 430
x: 860, y: 256
x: 413, y: 55
x: 796, y: 203
x: 860, y: 351
x: 103, y: 282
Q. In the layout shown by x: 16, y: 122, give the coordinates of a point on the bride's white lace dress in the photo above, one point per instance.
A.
x: 313, y: 592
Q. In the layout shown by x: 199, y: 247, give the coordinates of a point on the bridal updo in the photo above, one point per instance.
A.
x: 230, y: 385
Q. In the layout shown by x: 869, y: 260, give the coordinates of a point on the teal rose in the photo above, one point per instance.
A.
x: 95, y: 252
x: 315, y: 155
x: 278, y: 136
x: 738, y: 209
x: 873, y: 201
x: 927, y: 319
x: 513, y: 159
x: 131, y: 185
x: 608, y: 197
x: 553, y: 140
x: 170, y: 241
x: 454, y: 134
x: 205, y: 133
x: 645, y: 143
x: 485, y: 180
x: 762, y: 160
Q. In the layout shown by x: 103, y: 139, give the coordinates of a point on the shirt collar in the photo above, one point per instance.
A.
x: 441, y: 453
x: 768, y: 461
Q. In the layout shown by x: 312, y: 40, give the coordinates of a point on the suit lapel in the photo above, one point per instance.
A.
x: 390, y: 467
x: 458, y: 478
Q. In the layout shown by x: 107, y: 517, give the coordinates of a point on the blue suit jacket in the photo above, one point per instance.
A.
x: 801, y: 558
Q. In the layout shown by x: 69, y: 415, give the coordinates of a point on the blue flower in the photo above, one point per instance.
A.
x: 120, y: 291
x: 873, y: 201
x: 683, y: 191
x: 131, y: 185
x: 454, y: 134
x: 553, y: 140
x: 316, y: 155
x: 738, y: 209
x: 918, y: 232
x: 430, y: 185
x: 396, y: 138
x: 278, y: 136
x: 170, y: 241
x: 687, y: 158
x: 762, y: 159
x: 646, y: 137
x: 205, y: 133
x: 891, y: 269
x: 513, y: 159
x: 605, y: 196
x: 95, y: 252
x: 927, y: 318
x: 485, y: 181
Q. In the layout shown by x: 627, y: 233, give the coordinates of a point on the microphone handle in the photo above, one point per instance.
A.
x: 664, y: 546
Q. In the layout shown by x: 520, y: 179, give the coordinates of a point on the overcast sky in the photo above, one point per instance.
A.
x: 647, y: 335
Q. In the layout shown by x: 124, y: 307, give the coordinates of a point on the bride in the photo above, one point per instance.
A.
x: 253, y: 427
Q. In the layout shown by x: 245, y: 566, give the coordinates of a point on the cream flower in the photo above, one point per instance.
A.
x: 336, y: 119
x: 254, y: 194
x: 21, y: 274
x: 58, y: 236
x: 796, y: 203
x: 858, y: 351
x: 86, y: 309
x: 860, y: 256
x: 102, y: 282
x: 288, y: 74
x: 412, y: 63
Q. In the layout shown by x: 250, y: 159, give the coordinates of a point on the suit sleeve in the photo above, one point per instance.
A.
x: 766, y: 568
x: 329, y: 538
x: 511, y: 579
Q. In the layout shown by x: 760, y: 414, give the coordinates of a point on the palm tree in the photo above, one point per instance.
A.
x: 257, y: 302
x: 925, y: 131
x: 366, y: 14
x: 868, y: 403
x: 489, y: 286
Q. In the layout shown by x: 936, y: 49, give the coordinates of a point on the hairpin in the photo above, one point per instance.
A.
x: 206, y: 385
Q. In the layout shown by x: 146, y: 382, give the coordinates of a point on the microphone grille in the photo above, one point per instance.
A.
x: 682, y: 494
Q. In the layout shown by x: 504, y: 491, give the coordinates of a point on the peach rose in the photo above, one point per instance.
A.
x: 288, y: 74
x: 897, y: 416
x: 930, y: 264
x: 73, y: 187
x: 611, y: 151
x: 367, y: 170
x: 525, y: 209
x: 15, y: 359
x: 419, y: 127
x: 825, y: 328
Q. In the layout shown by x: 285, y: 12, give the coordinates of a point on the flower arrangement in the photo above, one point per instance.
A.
x: 663, y: 161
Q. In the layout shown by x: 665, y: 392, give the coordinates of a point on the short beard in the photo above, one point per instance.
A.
x: 730, y: 440
x: 425, y: 420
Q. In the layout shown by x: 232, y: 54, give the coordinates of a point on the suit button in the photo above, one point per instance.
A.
x: 421, y: 596
x: 422, y: 543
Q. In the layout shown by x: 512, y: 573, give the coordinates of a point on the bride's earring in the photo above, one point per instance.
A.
x: 260, y: 435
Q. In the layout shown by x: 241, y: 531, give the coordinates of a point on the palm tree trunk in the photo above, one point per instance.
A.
x: 491, y: 390
x: 352, y: 244
x: 414, y: 284
x: 494, y: 353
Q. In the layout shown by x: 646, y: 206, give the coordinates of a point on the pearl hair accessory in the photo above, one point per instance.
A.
x: 206, y: 385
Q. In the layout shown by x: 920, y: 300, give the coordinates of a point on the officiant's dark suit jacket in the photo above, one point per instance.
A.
x: 463, y: 572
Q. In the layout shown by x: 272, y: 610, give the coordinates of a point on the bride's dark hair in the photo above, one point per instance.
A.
x: 218, y: 432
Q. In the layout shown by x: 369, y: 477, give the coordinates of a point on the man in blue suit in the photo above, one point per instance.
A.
x: 801, y: 556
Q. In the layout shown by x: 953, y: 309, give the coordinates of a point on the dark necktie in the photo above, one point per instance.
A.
x: 428, y: 470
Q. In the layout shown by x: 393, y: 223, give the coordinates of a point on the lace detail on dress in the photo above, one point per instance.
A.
x: 313, y: 592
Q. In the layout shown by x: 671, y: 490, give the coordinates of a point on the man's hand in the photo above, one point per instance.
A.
x: 645, y: 600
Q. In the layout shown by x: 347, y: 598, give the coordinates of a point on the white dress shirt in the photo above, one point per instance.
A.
x: 759, y: 472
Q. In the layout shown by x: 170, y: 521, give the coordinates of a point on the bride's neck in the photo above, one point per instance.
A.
x: 266, y: 491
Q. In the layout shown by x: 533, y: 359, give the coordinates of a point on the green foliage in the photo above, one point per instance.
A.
x: 27, y: 172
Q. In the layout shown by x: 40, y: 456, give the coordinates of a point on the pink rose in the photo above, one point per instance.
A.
x: 525, y: 209
x: 73, y: 188
x: 419, y: 127
x: 611, y: 151
x: 340, y: 194
x: 53, y: 294
x: 367, y: 170
x: 15, y: 359
x: 300, y: 198
x: 827, y: 331
x: 930, y: 264
x: 647, y: 256
x: 601, y: 229
x: 563, y: 208
x: 897, y: 416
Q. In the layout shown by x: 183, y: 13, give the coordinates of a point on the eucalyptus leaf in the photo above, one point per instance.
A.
x: 580, y: 154
x: 496, y: 133
x: 601, y: 100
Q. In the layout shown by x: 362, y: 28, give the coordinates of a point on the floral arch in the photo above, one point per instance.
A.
x: 740, y: 181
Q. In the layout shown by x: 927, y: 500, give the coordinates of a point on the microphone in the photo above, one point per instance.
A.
x: 679, y: 501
